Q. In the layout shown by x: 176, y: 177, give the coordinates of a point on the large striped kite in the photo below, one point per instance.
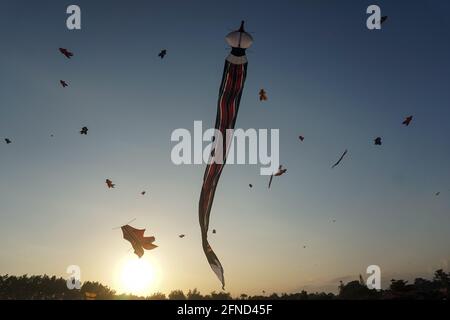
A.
x: 234, y: 74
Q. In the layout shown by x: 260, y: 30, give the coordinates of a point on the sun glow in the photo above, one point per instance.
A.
x: 138, y: 276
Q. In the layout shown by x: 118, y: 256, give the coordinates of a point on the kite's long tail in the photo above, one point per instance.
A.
x: 229, y: 98
x: 206, y: 201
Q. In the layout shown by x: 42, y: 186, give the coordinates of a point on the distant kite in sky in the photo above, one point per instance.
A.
x: 214, y: 231
x: 90, y: 295
x: 377, y: 141
x: 250, y: 185
x: 137, y: 240
x: 279, y: 173
x: 66, y: 52
x: 63, y: 83
x: 8, y: 141
x: 84, y: 131
x: 182, y: 236
x: 407, y: 120
x: 143, y: 193
x: 162, y: 54
x: 437, y: 194
x: 302, y: 138
x: 110, y: 184
x: 340, y: 159
x: 361, y: 280
x: 383, y: 19
x: 233, y: 79
x: 262, y: 95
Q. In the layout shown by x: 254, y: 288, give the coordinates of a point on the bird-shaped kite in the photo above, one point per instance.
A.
x: 110, y: 184
x: 63, y: 83
x: 84, y: 131
x: 66, y: 52
x: 8, y: 141
x: 137, y: 240
x: 262, y: 95
x: 407, y: 120
x: 302, y: 138
x: 383, y: 19
x: 162, y: 54
x: 340, y: 159
x: 280, y: 172
x: 377, y: 141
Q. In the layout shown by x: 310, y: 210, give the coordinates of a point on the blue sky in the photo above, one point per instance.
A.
x: 327, y: 77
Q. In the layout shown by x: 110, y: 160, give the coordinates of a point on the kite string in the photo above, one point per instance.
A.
x: 125, y: 224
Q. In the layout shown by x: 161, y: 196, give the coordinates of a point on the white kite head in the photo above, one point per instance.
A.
x: 239, y: 39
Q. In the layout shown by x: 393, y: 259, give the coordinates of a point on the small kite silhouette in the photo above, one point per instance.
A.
x: 137, y: 240
x: 84, y: 131
x: 214, y: 231
x: 280, y: 172
x: 407, y: 120
x: 143, y: 193
x: 90, y: 295
x: 250, y: 185
x: 182, y: 236
x: 377, y: 141
x: 162, y: 54
x: 437, y: 193
x: 66, y: 52
x: 8, y: 141
x: 262, y: 95
x: 110, y: 184
x: 302, y: 138
x: 361, y: 280
x: 340, y: 159
x: 63, y: 83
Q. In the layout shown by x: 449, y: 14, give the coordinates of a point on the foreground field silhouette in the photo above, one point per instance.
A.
x: 52, y: 288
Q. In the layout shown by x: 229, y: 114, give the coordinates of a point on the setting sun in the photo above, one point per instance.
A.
x: 137, y: 276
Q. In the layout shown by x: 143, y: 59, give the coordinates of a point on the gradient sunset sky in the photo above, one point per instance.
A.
x: 327, y: 77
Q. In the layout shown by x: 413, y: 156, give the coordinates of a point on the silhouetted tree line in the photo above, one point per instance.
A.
x: 52, y: 288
